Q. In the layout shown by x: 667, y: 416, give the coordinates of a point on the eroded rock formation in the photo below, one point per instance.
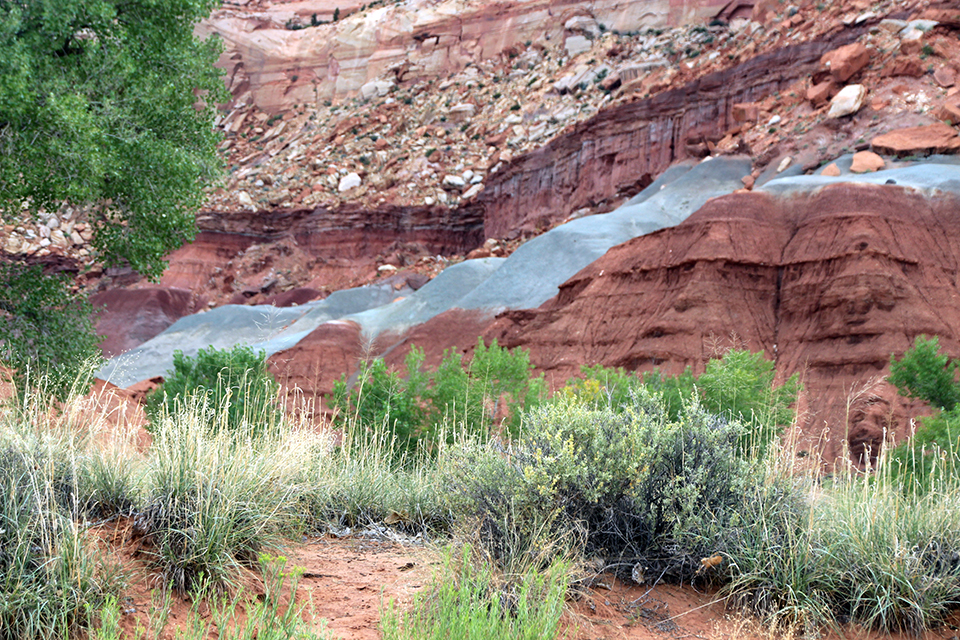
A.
x: 829, y: 284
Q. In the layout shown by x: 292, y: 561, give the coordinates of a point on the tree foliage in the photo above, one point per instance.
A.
x: 97, y: 111
x: 97, y: 108
x: 233, y: 383
x: 926, y: 374
x: 50, y: 336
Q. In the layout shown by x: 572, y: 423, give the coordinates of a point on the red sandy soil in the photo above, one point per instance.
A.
x: 347, y: 581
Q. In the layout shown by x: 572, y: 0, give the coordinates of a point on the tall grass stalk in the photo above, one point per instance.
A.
x: 859, y: 547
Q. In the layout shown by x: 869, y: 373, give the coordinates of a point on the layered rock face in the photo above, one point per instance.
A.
x: 276, y: 67
x: 630, y: 144
x: 241, y: 255
x: 829, y: 284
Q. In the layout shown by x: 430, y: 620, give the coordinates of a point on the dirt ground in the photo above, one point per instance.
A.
x: 347, y: 581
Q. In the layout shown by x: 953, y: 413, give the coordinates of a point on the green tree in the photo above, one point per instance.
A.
x: 926, y: 374
x: 51, y: 333
x: 234, y: 384
x: 99, y: 109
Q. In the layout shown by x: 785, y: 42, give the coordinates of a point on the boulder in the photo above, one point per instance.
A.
x: 454, y: 183
x: 575, y: 45
x: 950, y: 112
x: 820, y: 93
x: 848, y: 101
x: 945, y: 76
x: 462, y: 112
x: 831, y: 170
x: 375, y: 88
x: 933, y: 138
x: 866, y: 162
x: 845, y: 61
x: 903, y: 67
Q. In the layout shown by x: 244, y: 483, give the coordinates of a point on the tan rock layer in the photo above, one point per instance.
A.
x: 277, y: 68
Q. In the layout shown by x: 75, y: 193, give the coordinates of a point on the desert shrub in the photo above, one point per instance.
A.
x: 234, y: 382
x: 497, y: 384
x: 863, y: 552
x: 931, y: 456
x: 925, y: 374
x: 361, y: 483
x: 739, y: 385
x: 491, y: 390
x: 633, y: 485
x: 600, y: 386
x: 467, y: 601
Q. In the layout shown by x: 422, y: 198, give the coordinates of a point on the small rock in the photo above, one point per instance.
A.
x: 76, y: 238
x: 848, y: 101
x: 820, y: 94
x: 945, y: 77
x: 950, y: 113
x: 473, y: 191
x: 911, y: 40
x: 387, y: 269
x: 349, y: 181
x: 922, y: 25
x: 903, y: 67
x: 13, y: 243
x: 462, y: 112
x: 375, y: 88
x: 428, y: 201
x: 784, y: 164
x: 866, y: 162
x: 468, y: 175
x: 477, y: 179
x: 575, y: 45
x: 479, y: 253
x: 831, y: 170
x: 453, y: 182
x: 748, y: 182
x: 245, y: 200
x: 891, y: 25
x: 775, y: 120
x: 491, y: 244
